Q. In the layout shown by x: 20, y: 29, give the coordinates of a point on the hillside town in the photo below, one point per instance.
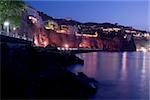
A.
x: 43, y: 30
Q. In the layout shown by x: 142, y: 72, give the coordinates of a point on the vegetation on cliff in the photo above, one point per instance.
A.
x: 11, y: 10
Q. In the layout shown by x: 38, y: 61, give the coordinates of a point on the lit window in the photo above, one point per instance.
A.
x: 33, y: 19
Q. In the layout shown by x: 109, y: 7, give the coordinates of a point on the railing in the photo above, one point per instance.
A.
x: 61, y: 48
x: 67, y: 49
x: 15, y: 35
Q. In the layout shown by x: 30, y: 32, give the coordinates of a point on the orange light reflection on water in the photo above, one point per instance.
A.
x: 90, y: 64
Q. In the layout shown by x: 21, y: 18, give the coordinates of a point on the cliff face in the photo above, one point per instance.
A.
x: 119, y: 44
x: 129, y: 44
x: 114, y: 44
x: 59, y: 39
x: 46, y: 37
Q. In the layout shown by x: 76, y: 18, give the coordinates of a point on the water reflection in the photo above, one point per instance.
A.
x: 123, y: 70
x: 143, y: 67
x: 121, y: 75
x: 90, y: 63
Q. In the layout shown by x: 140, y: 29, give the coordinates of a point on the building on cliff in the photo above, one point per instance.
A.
x: 45, y: 30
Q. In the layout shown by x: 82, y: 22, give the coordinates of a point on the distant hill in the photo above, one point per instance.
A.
x: 93, y: 25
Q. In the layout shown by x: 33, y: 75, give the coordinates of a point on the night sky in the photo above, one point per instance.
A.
x: 129, y: 13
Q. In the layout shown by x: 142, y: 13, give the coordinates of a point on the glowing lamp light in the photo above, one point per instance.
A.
x: 125, y: 37
x: 33, y: 19
x: 143, y: 49
x: 36, y: 42
x: 66, y: 46
x: 14, y: 28
x: 6, y: 23
x: 45, y: 43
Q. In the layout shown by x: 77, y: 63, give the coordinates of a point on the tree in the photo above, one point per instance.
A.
x: 11, y: 10
x: 51, y: 25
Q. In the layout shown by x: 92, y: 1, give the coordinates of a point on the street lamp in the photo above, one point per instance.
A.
x: 6, y: 24
x: 66, y: 46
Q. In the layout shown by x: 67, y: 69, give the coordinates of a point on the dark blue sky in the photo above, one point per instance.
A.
x: 129, y: 13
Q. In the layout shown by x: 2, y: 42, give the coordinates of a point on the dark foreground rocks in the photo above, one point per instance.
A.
x: 37, y: 73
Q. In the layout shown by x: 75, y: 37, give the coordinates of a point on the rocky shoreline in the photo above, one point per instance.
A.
x: 37, y: 73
